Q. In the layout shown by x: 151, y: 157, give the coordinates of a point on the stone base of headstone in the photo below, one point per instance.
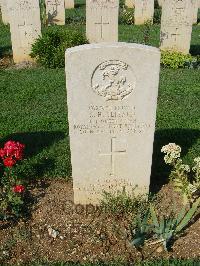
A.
x: 25, y: 27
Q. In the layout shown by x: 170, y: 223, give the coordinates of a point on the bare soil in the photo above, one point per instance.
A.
x: 85, y: 234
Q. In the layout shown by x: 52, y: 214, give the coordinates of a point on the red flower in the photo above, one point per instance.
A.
x: 18, y: 189
x: 2, y: 153
x: 9, y: 162
x: 12, y: 149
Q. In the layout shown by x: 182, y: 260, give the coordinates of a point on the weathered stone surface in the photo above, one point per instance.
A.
x: 144, y: 11
x: 69, y: 4
x: 55, y: 10
x: 195, y: 10
x: 176, y: 25
x: 160, y: 2
x: 130, y: 3
x: 25, y: 27
x: 102, y: 20
x: 4, y: 11
x: 112, y: 96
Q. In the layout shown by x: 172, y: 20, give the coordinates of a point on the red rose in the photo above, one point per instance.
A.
x: 9, y: 162
x: 2, y: 153
x: 12, y: 148
x: 18, y: 189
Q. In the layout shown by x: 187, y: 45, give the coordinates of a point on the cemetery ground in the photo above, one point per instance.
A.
x: 34, y: 112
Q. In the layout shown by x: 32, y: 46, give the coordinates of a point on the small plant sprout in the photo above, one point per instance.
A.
x: 164, y: 229
x: 167, y: 229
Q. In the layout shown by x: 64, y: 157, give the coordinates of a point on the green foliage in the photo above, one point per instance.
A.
x: 49, y: 49
x: 146, y: 30
x: 156, y: 5
x: 121, y: 3
x: 157, y: 16
x: 122, y: 203
x: 126, y: 16
x: 43, y: 16
x: 165, y: 229
x: 11, y: 203
x: 75, y: 16
x: 175, y: 60
x: 140, y: 228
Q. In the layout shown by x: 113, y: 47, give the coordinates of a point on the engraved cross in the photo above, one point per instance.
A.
x: 101, y: 23
x: 175, y: 35
x: 113, y: 153
x: 21, y: 25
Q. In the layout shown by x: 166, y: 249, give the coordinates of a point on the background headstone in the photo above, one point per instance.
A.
x: 112, y: 97
x: 25, y: 27
x: 195, y: 11
x: 130, y: 3
x: 176, y: 25
x: 55, y: 10
x: 102, y: 20
x: 144, y: 11
x: 160, y: 2
x: 4, y: 11
x: 69, y: 4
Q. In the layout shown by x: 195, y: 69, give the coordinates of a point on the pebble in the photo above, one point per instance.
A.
x: 53, y: 233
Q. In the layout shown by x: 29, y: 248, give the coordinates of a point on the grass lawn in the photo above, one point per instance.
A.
x: 34, y: 110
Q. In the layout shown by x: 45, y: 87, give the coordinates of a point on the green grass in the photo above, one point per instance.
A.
x: 34, y: 110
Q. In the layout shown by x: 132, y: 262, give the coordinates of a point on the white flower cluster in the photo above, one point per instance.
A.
x: 197, y: 163
x: 184, y: 167
x: 172, y: 152
x: 196, y: 169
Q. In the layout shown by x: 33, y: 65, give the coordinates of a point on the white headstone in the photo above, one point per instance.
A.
x: 4, y: 11
x: 69, y: 4
x: 195, y: 11
x: 102, y: 20
x: 112, y: 97
x: 130, y: 3
x: 144, y: 11
x: 176, y: 25
x: 55, y: 10
x: 25, y: 27
x: 160, y: 2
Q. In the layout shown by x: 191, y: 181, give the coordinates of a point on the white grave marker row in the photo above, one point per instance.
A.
x: 144, y: 11
x: 176, y: 25
x: 25, y: 27
x: 55, y: 10
x: 4, y: 11
x: 102, y: 20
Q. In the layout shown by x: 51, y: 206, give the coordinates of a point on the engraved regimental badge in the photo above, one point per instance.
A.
x: 113, y: 80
